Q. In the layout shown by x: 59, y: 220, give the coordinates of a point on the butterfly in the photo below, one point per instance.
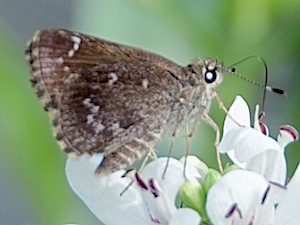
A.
x: 109, y: 98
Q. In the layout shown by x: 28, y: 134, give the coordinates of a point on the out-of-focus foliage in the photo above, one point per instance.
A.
x: 32, y: 166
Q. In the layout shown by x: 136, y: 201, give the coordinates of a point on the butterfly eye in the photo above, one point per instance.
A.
x: 210, y: 76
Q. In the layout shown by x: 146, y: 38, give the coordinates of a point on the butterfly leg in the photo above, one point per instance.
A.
x: 179, y: 115
x: 187, y: 150
x: 222, y: 106
x: 212, y: 123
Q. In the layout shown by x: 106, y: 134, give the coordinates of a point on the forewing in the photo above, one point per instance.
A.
x: 54, y: 54
x: 73, y: 73
x: 105, y: 107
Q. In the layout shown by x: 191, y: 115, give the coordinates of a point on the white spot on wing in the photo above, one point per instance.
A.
x: 86, y: 102
x: 91, y: 106
x: 99, y: 128
x: 76, y: 43
x: 90, y: 118
x: 145, y: 83
x: 71, y: 53
x: 66, y: 69
x: 112, y: 78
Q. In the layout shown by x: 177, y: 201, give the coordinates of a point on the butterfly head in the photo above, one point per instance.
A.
x: 208, y: 72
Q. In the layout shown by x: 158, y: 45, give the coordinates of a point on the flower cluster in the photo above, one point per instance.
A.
x: 253, y: 191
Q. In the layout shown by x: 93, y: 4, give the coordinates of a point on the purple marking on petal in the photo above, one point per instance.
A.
x: 153, y: 188
x: 232, y: 210
x: 265, y: 195
x: 140, y: 181
x: 251, y: 222
x: 294, y: 133
x: 154, y: 220
x: 263, y: 128
x: 151, y: 184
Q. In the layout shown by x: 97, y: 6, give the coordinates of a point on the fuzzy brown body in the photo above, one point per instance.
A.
x: 108, y: 98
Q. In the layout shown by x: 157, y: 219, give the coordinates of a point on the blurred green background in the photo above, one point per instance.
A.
x: 33, y: 187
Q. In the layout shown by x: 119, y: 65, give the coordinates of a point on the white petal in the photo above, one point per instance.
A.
x: 102, y: 194
x: 256, y: 152
x: 265, y: 212
x: 284, y: 138
x: 163, y: 206
x: 240, y: 187
x: 185, y: 216
x: 287, y: 134
x: 271, y: 164
x: 247, y: 142
x: 174, y: 176
x: 288, y: 210
x: 195, y: 162
x: 231, y: 155
x: 239, y: 111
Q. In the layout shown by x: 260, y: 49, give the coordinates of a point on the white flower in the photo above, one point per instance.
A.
x: 244, y: 197
x: 137, y: 205
x: 256, y: 195
x: 253, y: 195
x: 288, y: 210
x: 234, y: 198
x: 250, y: 149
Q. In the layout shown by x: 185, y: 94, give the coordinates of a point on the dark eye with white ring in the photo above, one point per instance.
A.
x: 210, y: 76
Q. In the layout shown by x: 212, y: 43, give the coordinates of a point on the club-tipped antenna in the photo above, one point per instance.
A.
x: 231, y: 69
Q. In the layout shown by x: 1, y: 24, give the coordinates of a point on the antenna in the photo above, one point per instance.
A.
x: 232, y: 70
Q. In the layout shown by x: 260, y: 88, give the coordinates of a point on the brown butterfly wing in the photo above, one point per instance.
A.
x: 100, y: 95
x: 54, y: 54
x: 105, y: 107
